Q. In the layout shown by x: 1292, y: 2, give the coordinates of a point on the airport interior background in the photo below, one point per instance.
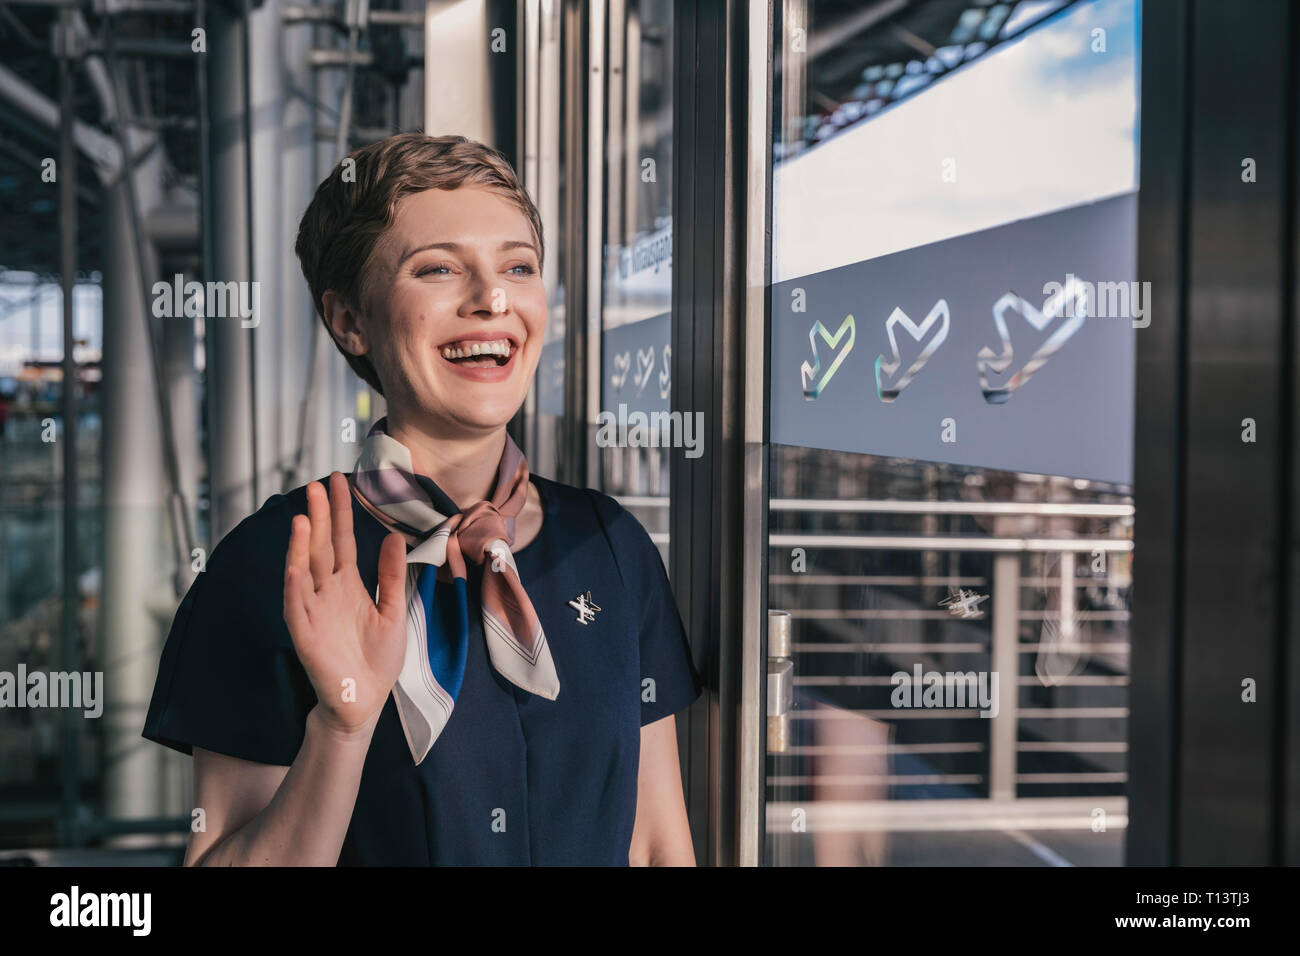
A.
x: 815, y: 230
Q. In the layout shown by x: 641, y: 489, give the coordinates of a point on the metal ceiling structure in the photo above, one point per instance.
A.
x: 865, y: 58
x: 229, y: 114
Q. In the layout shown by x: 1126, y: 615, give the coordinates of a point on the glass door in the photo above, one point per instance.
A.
x: 546, y: 162
x: 635, y: 265
x: 953, y: 313
x: 598, y: 134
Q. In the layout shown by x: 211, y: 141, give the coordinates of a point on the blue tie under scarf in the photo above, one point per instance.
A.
x: 443, y: 536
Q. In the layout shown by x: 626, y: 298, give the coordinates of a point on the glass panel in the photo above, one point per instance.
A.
x: 32, y: 514
x: 544, y: 172
x: 637, y: 273
x: 951, y: 515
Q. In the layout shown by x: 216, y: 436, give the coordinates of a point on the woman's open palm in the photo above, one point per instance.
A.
x: 351, y: 647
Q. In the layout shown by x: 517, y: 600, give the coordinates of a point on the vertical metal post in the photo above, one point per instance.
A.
x: 301, y: 334
x: 1006, y: 664
x: 1288, y: 709
x: 1211, y: 594
x: 70, y: 763
x: 757, y: 128
x: 629, y: 215
x: 1160, y: 439
x: 256, y: 429
x: 137, y: 561
x: 620, y: 162
x: 721, y: 56
x: 794, y: 72
x: 574, y: 452
x: 229, y: 393
x: 274, y: 347
x: 332, y: 379
x: 354, y: 12
x: 529, y: 118
x: 595, y: 259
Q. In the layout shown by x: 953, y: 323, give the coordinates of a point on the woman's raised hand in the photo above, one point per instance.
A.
x: 351, y: 647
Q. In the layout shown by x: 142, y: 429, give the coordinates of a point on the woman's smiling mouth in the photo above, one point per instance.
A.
x: 484, y: 357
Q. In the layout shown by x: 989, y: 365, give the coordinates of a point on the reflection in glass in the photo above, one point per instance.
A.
x: 958, y: 652
x: 544, y: 175
x: 636, y: 367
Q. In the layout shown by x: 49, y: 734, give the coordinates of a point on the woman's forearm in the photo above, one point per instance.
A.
x: 307, y: 820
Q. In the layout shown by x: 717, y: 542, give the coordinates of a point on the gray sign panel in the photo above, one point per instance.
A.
x: 550, y: 379
x: 1010, y: 348
x: 636, y: 371
x: 637, y: 368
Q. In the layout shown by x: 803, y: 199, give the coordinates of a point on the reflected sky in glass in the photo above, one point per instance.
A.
x: 1042, y: 123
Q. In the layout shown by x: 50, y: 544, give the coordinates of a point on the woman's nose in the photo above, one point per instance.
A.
x: 484, y: 295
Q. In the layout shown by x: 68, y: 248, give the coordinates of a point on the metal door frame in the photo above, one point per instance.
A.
x: 1214, y: 779
x: 717, y: 553
x: 722, y: 63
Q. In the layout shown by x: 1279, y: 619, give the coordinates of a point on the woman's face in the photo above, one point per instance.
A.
x: 454, y: 309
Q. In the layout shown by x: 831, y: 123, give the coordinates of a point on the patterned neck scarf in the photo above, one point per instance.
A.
x: 443, y: 536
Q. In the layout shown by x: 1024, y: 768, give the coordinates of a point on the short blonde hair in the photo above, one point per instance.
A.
x: 346, y: 218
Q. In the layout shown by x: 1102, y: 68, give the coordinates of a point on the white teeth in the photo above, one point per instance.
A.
x: 499, y: 347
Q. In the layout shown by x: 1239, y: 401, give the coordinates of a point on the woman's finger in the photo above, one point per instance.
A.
x: 296, y: 556
x: 295, y: 610
x: 321, y: 555
x: 345, y: 545
x: 392, y: 577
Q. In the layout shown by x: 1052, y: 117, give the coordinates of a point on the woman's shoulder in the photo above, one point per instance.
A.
x: 568, y: 504
x: 566, y: 498
x: 274, y: 519
x: 261, y: 540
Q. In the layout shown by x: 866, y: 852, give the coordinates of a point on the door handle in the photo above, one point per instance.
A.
x: 780, y: 680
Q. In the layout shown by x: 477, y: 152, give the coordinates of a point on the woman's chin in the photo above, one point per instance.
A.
x: 461, y: 406
x: 479, y: 417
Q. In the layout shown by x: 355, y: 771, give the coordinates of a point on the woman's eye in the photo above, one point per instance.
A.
x: 527, y: 269
x: 434, y: 270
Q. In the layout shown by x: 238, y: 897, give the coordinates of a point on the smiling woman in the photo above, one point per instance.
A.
x: 392, y: 672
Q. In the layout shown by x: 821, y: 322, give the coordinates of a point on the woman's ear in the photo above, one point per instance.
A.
x: 345, y: 323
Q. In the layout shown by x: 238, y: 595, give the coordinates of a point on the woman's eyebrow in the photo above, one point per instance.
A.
x: 457, y: 247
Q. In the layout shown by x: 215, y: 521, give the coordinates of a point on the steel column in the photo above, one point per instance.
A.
x: 229, y: 392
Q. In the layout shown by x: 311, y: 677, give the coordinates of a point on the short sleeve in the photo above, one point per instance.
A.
x: 229, y: 679
x: 669, y: 682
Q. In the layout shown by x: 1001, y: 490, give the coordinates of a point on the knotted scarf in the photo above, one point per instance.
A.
x: 440, y: 535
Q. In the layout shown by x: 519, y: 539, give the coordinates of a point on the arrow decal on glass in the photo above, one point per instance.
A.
x: 887, y: 387
x: 1071, y: 301
x: 812, y: 385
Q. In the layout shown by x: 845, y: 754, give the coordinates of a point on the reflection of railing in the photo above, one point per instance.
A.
x: 1048, y: 813
x: 891, y: 542
x: 869, y: 506
x: 1036, y: 508
x: 1007, y: 615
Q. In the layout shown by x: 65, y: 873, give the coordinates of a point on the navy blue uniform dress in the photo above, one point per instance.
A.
x: 513, y: 779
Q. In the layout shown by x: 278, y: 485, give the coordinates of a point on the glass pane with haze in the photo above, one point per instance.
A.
x: 951, y: 520
x: 636, y: 289
x: 544, y: 173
